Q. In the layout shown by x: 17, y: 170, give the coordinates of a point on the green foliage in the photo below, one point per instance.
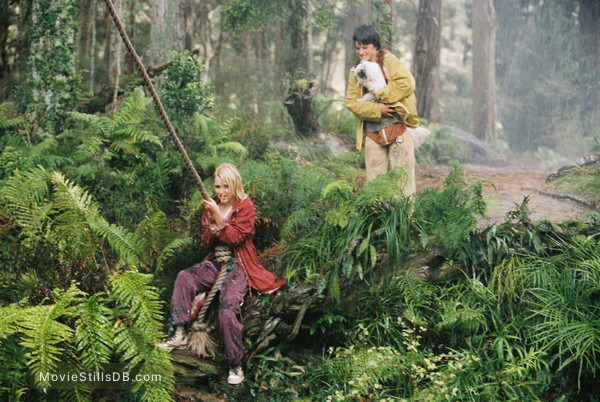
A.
x: 251, y: 14
x: 125, y: 131
x: 448, y: 218
x: 78, y: 334
x: 58, y: 222
x: 381, y: 305
x: 93, y: 336
x: 358, y: 373
x: 563, y: 291
x: 184, y: 92
x: 44, y: 335
x: 336, y: 120
x: 137, y: 330
x: 583, y: 182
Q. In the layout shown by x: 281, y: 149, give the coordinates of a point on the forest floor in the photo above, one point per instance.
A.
x: 505, y: 187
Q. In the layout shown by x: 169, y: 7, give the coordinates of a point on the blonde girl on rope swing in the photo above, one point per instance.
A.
x: 227, y: 220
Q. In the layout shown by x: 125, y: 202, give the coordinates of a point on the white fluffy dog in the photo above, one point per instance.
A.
x: 369, y: 74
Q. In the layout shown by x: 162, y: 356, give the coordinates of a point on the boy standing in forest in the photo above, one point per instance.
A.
x: 393, y: 111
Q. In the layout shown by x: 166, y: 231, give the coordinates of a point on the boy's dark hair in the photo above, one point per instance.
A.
x: 367, y: 35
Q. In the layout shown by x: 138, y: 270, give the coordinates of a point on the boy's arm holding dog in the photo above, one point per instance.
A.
x: 365, y: 111
x: 400, y: 90
x: 400, y: 84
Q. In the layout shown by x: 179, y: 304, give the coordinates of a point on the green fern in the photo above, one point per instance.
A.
x: 235, y: 148
x: 71, y: 197
x: 126, y: 325
x: 566, y: 313
x: 137, y: 329
x: 24, y: 196
x: 125, y: 132
x: 104, y: 124
x: 9, y: 317
x: 447, y: 219
x: 124, y: 244
x: 336, y: 192
x: 170, y: 249
x: 45, y: 337
x: 93, y: 335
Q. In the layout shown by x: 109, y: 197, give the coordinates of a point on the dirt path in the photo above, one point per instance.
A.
x: 507, y: 188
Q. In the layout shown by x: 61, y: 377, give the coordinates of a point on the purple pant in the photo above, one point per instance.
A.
x: 200, y: 278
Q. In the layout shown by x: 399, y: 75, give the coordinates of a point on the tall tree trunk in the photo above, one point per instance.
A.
x: 189, y: 22
x: 356, y: 15
x: 484, y: 70
x: 589, y: 30
x: 386, y: 24
x: 167, y: 32
x: 427, y: 55
x: 302, y: 88
x: 116, y: 58
x: 14, y: 43
x: 5, y: 22
x: 129, y: 64
x: 52, y: 82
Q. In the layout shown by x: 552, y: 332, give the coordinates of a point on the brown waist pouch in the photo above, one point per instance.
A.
x: 387, y: 135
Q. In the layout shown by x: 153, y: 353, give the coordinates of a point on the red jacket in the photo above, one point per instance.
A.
x: 237, y: 232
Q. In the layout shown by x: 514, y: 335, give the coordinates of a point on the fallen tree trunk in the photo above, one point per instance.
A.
x: 286, y: 310
x: 101, y: 100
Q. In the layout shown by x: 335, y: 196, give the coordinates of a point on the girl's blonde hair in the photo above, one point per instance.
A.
x: 229, y: 174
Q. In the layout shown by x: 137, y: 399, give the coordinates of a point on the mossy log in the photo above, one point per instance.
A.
x: 101, y: 100
x: 267, y: 320
x: 273, y: 319
x: 430, y: 266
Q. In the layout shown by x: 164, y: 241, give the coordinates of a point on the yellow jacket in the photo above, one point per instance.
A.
x: 399, y: 93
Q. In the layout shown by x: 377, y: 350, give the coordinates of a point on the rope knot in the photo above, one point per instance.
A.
x: 222, y: 254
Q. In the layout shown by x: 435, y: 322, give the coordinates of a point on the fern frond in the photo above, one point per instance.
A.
x: 70, y: 196
x: 137, y: 332
x: 126, y: 146
x: 93, y: 335
x: 8, y: 123
x: 132, y: 290
x: 152, y: 229
x: 135, y: 133
x: 24, y: 196
x: 337, y: 191
x: 104, y: 124
x: 235, y: 148
x: 9, y: 317
x: 157, y: 361
x: 44, y: 335
x: 202, y: 123
x: 133, y: 108
x: 123, y: 243
x: 90, y: 146
x: 170, y: 249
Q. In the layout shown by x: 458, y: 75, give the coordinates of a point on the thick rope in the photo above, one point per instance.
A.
x: 150, y: 86
x: 222, y: 256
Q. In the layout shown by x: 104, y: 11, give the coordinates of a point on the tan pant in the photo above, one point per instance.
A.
x: 380, y: 160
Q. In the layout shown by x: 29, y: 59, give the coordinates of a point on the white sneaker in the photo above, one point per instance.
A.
x: 236, y: 375
x: 177, y: 341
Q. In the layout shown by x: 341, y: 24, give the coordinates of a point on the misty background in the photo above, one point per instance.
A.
x: 262, y: 58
